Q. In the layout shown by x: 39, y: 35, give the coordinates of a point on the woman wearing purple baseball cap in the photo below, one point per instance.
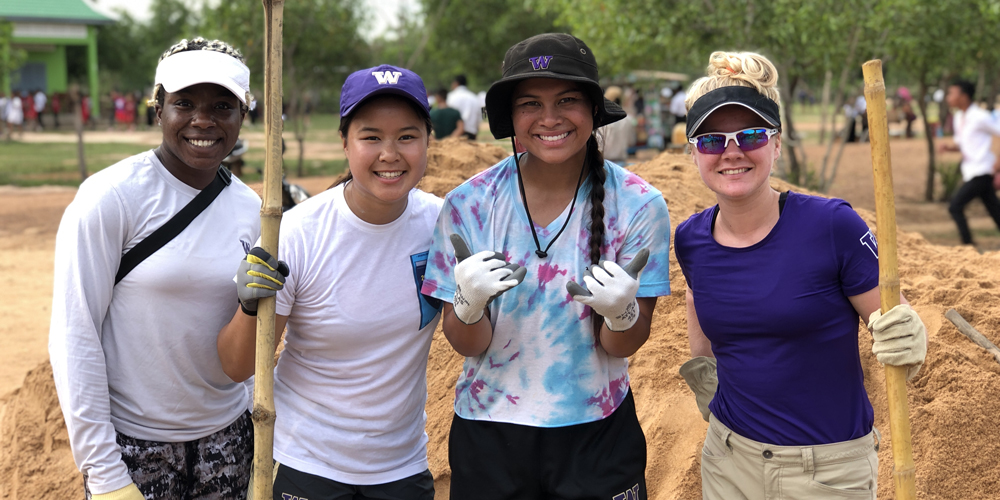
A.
x: 776, y: 283
x: 351, y: 384
x: 149, y: 410
x: 543, y: 405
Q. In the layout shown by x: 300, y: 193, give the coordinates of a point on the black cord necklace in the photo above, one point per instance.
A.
x: 524, y: 200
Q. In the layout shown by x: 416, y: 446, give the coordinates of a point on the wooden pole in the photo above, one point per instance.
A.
x: 904, y: 472
x: 270, y: 219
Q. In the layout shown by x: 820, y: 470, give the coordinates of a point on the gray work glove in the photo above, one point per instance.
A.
x: 479, y: 279
x: 702, y: 377
x: 260, y: 275
x: 610, y: 291
x: 900, y: 338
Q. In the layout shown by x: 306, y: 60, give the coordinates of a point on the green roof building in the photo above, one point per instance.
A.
x: 43, y: 29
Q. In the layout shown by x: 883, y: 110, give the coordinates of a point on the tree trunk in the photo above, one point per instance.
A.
x: 428, y: 29
x: 929, y: 135
x: 791, y: 137
x: 824, y: 104
x: 74, y: 95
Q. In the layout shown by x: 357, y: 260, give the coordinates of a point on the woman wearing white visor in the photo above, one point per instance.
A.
x: 149, y: 410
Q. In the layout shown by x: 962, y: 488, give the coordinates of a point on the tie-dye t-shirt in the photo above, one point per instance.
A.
x: 543, y: 367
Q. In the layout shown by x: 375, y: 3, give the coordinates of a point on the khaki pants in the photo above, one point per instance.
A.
x: 736, y: 468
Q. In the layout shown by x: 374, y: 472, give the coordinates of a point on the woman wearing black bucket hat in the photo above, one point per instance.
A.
x: 543, y: 406
x: 776, y: 285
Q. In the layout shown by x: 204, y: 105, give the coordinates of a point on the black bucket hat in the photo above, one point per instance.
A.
x: 549, y: 55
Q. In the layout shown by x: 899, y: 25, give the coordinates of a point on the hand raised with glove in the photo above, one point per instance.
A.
x: 479, y: 279
x: 610, y: 291
x: 900, y: 338
x: 260, y: 275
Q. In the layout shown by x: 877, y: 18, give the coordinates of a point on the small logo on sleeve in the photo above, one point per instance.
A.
x: 246, y: 246
x: 429, y: 306
x: 868, y: 240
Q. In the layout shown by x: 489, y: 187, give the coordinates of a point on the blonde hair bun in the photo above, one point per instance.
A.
x: 745, y: 69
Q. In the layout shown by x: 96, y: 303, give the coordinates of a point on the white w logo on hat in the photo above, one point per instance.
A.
x: 384, y: 77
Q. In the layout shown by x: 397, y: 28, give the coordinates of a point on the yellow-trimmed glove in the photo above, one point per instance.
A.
x: 260, y: 275
x: 130, y: 492
x: 702, y: 377
x: 900, y: 338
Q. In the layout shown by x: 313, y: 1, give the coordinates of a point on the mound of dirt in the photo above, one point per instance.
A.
x: 451, y: 161
x: 952, y: 401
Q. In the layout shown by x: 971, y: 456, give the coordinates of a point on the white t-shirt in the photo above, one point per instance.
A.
x: 468, y: 105
x: 40, y: 101
x: 140, y: 357
x: 677, y: 106
x: 351, y: 386
x: 974, y: 131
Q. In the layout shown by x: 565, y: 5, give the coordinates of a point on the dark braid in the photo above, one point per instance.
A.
x: 197, y: 43
x: 597, y: 177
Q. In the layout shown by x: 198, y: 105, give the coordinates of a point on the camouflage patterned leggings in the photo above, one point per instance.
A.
x: 215, y: 467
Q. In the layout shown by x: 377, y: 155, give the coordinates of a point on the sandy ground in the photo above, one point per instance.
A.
x: 952, y: 401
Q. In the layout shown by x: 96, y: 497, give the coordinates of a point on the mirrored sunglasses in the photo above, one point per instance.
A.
x: 747, y: 140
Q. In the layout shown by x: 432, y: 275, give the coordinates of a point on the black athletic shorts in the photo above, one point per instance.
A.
x: 603, y: 460
x: 291, y: 484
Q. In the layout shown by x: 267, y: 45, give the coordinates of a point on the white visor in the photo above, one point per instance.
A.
x: 192, y: 67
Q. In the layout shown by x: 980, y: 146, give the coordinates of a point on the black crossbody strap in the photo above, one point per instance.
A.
x: 174, y: 226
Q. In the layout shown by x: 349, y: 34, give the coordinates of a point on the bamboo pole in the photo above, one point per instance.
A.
x: 904, y: 472
x: 270, y: 219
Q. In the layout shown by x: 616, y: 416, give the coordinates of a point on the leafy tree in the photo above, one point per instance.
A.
x: 10, y: 58
x: 471, y: 38
x: 321, y: 46
x: 130, y: 49
x: 804, y: 38
x: 931, y: 40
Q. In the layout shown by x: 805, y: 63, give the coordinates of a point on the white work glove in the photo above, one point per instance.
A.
x: 610, y: 291
x: 702, y: 377
x: 900, y: 338
x: 479, y: 279
x: 130, y: 492
x: 260, y: 275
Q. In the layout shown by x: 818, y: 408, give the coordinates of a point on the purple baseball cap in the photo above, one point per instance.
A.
x: 384, y: 79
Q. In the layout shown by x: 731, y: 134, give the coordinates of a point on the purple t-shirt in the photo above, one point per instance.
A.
x: 782, y: 328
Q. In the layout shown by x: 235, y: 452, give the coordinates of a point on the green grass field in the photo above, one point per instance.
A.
x: 35, y: 164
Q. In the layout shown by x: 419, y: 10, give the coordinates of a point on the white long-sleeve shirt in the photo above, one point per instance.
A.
x: 974, y: 131
x: 140, y: 358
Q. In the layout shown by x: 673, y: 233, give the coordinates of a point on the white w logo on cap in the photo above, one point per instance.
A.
x: 384, y: 77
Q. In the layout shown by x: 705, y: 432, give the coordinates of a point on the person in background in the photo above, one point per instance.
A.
x: 56, y: 105
x: 40, y: 101
x: 614, y: 137
x: 30, y: 114
x: 467, y: 103
x: 974, y: 132
x: 447, y: 121
x: 776, y: 284
x: 15, y: 115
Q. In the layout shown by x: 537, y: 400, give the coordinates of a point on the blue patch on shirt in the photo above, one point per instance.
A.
x: 429, y: 306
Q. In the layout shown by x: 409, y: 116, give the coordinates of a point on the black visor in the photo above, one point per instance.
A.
x: 747, y: 97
